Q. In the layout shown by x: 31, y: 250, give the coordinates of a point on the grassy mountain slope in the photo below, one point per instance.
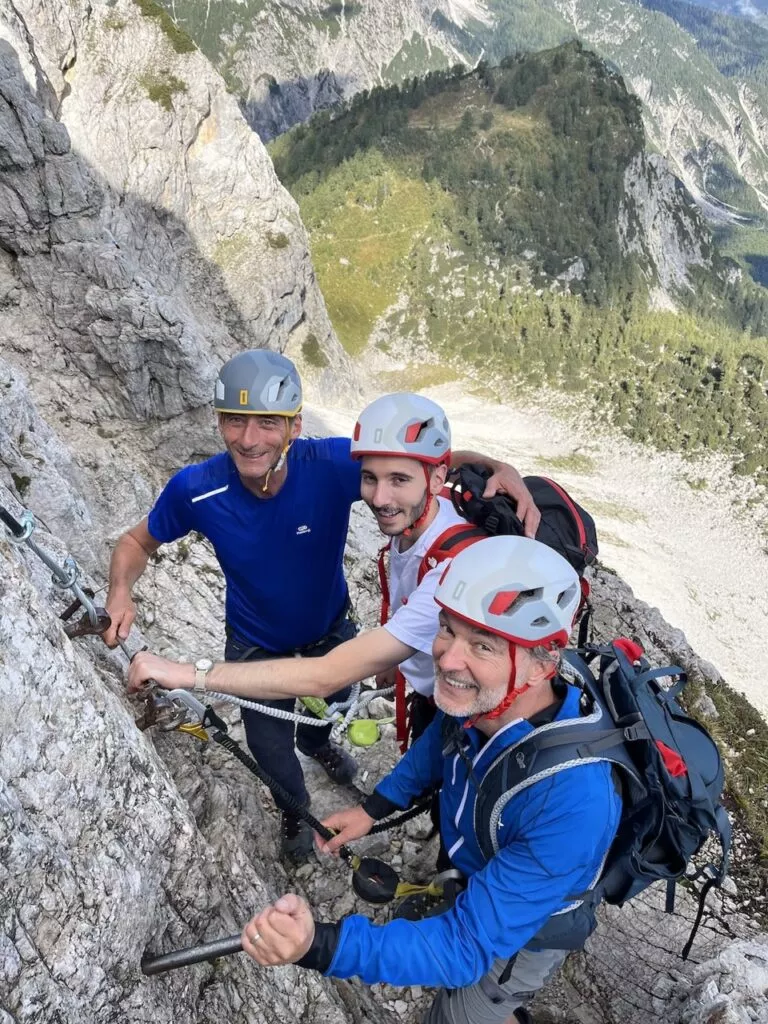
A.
x: 707, y: 121
x: 700, y: 74
x: 478, y: 216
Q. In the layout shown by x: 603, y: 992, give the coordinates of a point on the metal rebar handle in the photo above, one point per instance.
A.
x: 191, y: 955
x: 13, y: 524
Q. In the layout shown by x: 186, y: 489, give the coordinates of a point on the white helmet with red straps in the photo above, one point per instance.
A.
x: 403, y: 424
x: 515, y: 587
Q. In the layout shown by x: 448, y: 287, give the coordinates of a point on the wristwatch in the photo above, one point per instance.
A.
x: 202, y: 668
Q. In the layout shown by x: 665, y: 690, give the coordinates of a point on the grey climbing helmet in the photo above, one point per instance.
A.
x: 258, y: 382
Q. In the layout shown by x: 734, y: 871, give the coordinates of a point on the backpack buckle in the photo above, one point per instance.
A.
x: 491, y: 524
x: 636, y: 732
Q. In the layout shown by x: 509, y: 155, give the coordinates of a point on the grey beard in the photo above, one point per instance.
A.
x: 485, y: 700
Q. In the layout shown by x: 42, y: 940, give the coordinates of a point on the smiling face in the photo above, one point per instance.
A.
x: 395, y: 490
x: 473, y: 668
x: 256, y: 442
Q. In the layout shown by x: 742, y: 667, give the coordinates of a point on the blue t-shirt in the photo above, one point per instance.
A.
x: 282, y: 557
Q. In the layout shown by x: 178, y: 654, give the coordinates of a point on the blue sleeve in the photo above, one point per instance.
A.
x: 171, y: 516
x: 420, y: 768
x: 557, y: 851
x: 347, y: 468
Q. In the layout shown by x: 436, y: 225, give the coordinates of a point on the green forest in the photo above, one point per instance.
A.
x: 479, y: 212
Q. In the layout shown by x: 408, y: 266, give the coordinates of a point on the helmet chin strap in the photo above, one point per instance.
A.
x: 512, y: 693
x: 281, y: 459
x: 428, y: 499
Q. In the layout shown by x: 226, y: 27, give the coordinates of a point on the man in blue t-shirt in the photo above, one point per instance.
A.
x: 276, y: 509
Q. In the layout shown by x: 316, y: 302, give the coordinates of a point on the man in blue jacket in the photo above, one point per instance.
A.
x: 507, y: 607
x: 276, y: 509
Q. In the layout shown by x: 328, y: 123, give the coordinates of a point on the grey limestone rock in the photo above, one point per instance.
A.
x: 143, y: 239
x: 110, y: 844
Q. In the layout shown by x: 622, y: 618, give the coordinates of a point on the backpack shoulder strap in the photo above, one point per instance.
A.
x: 448, y: 544
x: 546, y: 751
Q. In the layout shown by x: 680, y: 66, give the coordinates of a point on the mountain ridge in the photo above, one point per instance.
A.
x: 511, y: 218
x: 706, y: 113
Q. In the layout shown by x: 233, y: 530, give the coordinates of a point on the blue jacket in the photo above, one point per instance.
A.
x: 554, y: 837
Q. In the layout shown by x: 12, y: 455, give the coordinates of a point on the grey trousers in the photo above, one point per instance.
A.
x: 487, y: 1002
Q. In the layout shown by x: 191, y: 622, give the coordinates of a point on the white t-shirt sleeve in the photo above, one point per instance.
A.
x: 415, y: 623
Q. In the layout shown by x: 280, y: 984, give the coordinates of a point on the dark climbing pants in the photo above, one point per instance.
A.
x: 271, y: 740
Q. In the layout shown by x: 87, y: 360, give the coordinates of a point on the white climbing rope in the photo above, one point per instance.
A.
x: 351, y: 706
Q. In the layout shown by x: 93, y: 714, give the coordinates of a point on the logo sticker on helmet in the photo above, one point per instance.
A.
x: 243, y: 396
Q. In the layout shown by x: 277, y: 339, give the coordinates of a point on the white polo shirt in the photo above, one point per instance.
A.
x: 413, y: 610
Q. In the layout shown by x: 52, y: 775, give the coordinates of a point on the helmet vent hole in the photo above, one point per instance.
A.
x: 566, y: 596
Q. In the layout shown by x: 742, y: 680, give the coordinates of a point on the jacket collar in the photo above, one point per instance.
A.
x: 482, y: 749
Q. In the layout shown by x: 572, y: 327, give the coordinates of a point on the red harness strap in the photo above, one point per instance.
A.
x: 402, y: 722
x: 384, y: 584
x: 402, y: 717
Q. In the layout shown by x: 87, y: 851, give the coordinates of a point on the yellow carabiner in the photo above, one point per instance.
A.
x: 194, y: 729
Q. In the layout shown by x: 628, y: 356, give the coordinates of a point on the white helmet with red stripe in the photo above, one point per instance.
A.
x: 403, y: 424
x: 515, y: 587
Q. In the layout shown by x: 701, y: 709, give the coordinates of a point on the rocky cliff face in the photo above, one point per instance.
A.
x: 286, y: 60
x: 659, y: 224
x: 143, y: 239
x: 113, y: 841
x: 711, y: 128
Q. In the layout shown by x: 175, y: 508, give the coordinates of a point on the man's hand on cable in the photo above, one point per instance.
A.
x: 122, y: 612
x: 280, y: 934
x: 352, y: 823
x: 171, y: 675
x: 507, y: 480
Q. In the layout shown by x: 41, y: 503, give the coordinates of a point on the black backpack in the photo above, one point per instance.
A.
x: 565, y: 525
x: 667, y: 765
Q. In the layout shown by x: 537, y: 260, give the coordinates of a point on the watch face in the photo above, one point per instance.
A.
x: 204, y: 664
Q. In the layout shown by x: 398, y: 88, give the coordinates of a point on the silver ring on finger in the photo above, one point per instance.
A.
x: 255, y: 937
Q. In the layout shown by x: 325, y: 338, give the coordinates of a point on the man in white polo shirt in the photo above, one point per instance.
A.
x: 404, y: 444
